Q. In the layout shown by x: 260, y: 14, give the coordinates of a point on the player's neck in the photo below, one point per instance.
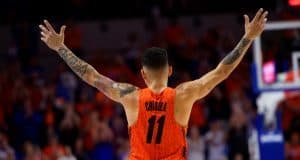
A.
x: 157, y: 87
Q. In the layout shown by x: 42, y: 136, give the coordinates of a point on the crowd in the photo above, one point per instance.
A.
x: 52, y: 115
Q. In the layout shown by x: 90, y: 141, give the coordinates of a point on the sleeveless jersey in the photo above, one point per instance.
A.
x: 156, y: 135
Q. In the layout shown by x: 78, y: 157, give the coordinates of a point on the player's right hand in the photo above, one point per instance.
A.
x: 52, y: 39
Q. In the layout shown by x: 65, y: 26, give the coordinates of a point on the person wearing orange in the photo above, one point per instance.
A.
x: 157, y: 116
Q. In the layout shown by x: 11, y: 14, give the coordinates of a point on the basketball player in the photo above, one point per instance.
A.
x: 157, y: 116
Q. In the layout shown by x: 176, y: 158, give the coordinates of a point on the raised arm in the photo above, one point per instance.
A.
x: 201, y: 87
x: 114, y: 90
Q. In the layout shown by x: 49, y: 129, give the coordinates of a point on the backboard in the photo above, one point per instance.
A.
x: 277, y: 57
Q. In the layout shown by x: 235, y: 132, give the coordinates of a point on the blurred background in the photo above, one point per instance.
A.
x: 47, y: 113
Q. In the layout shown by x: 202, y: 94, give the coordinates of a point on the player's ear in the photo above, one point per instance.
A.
x: 170, y: 70
x: 143, y: 73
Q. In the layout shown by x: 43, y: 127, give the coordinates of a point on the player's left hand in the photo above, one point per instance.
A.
x: 254, y: 28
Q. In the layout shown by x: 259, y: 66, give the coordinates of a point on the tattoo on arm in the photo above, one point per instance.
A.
x: 76, y: 64
x: 237, y: 52
x: 113, y: 89
x: 104, y: 84
x: 124, y: 88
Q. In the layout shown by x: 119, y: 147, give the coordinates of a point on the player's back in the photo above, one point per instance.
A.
x: 156, y: 135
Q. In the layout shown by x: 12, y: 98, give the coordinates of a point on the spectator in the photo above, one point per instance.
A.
x: 238, y: 137
x: 90, y: 124
x: 32, y: 152
x: 79, y: 152
x: 29, y: 123
x: 123, y: 150
x: 195, y: 145
x: 132, y: 49
x: 103, y: 149
x: 119, y: 127
x: 215, y: 139
x: 25, y: 37
x: 69, y: 126
x: 6, y: 151
x: 238, y: 157
x: 175, y: 33
x: 218, y: 105
x: 67, y: 84
x: 54, y: 149
x: 198, y: 115
x: 34, y: 86
x: 175, y: 38
x: 68, y: 155
x: 189, y: 56
x: 85, y: 105
x: 292, y: 148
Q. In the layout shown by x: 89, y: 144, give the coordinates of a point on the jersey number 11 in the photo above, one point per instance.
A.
x: 151, y: 122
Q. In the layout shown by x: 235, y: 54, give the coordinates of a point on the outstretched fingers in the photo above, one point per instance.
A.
x: 264, y: 16
x: 263, y: 19
x: 258, y: 15
x: 44, y: 39
x: 49, y: 26
x: 44, y: 33
x: 44, y: 29
x: 260, y: 18
x: 247, y: 21
x: 62, y: 30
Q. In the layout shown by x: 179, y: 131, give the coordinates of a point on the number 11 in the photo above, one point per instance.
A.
x: 151, y: 122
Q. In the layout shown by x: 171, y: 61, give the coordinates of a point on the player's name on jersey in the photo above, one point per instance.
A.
x: 155, y: 106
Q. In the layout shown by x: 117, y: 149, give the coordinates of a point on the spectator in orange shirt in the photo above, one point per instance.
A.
x: 54, y: 149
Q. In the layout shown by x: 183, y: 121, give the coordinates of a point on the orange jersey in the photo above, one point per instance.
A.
x: 156, y: 135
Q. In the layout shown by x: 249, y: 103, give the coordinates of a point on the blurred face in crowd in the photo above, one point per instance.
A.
x: 195, y: 133
x: 238, y: 157
x: 79, y: 145
x: 3, y: 140
x: 53, y: 141
x: 28, y: 147
x: 216, y: 126
x: 295, y: 138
